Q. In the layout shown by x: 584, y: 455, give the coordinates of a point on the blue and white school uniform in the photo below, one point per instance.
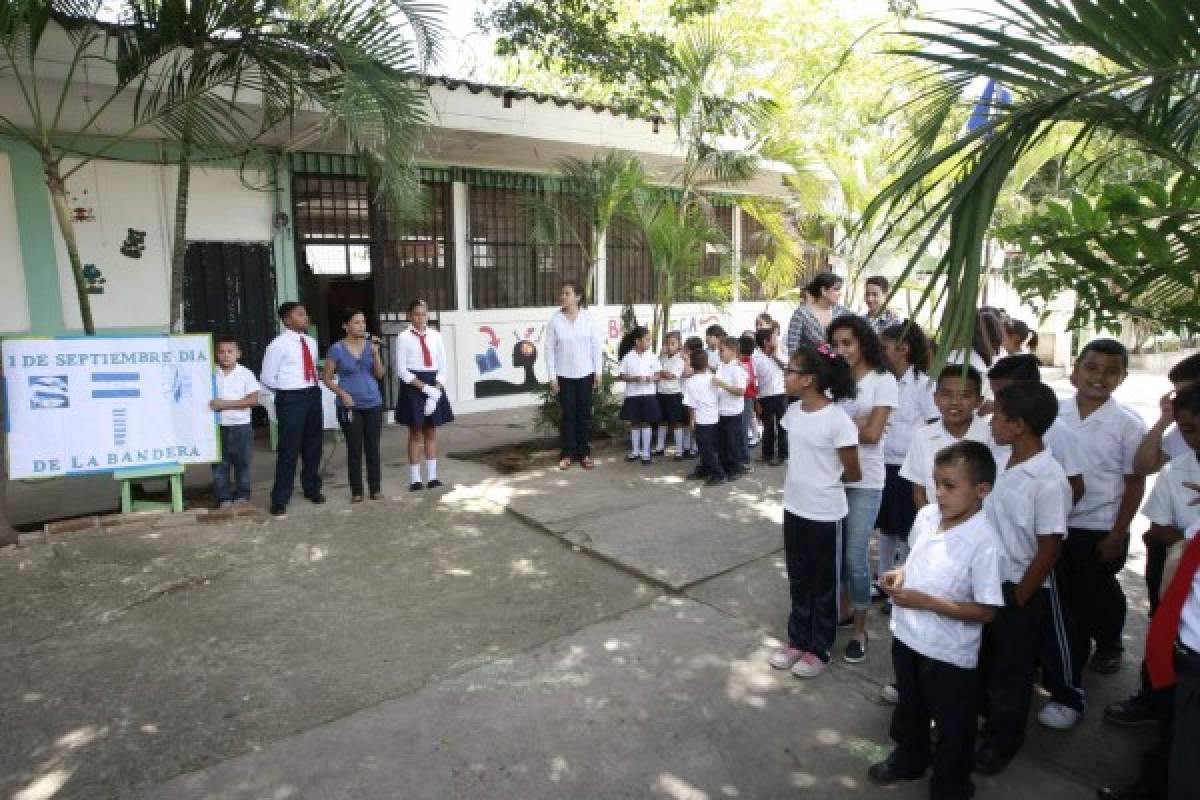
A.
x: 426, y: 363
x: 641, y: 401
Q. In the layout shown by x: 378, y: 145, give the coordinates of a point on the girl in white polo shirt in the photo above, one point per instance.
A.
x: 823, y: 454
x: 640, y: 369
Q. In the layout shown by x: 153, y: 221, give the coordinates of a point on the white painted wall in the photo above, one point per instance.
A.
x: 118, y: 196
x: 14, y: 306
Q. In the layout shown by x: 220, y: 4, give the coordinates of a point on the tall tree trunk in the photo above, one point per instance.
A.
x: 66, y: 226
x: 179, y: 237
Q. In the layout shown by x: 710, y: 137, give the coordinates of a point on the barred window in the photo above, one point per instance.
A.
x: 333, y: 223
x: 754, y: 244
x: 417, y: 256
x: 716, y: 255
x: 630, y: 279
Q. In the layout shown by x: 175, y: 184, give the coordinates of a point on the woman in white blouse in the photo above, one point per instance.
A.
x: 574, y: 363
x: 422, y: 404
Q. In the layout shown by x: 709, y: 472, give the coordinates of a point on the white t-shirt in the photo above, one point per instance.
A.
x: 735, y: 375
x: 874, y: 390
x: 769, y: 375
x: 963, y: 565
x: 914, y: 409
x: 1189, y: 622
x: 235, y: 386
x: 674, y: 365
x: 701, y: 395
x: 714, y: 359
x: 927, y: 441
x: 1170, y: 502
x: 1108, y: 441
x: 1173, y: 445
x: 1029, y: 500
x: 1062, y: 443
x: 813, y: 487
x: 640, y: 365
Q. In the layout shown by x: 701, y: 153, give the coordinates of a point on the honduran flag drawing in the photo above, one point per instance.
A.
x: 115, y: 385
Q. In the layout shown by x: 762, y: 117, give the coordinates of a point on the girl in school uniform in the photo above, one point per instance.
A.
x: 870, y: 409
x: 670, y: 395
x: 690, y: 345
x: 823, y: 455
x: 768, y: 369
x: 640, y: 369
x: 422, y: 404
x: 907, y: 353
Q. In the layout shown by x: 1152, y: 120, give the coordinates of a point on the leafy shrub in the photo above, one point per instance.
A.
x: 606, y: 410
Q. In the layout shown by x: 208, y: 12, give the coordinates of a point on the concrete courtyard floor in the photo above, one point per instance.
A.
x: 538, y: 634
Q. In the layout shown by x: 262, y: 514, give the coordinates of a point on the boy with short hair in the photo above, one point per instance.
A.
x: 731, y: 379
x: 236, y: 394
x: 713, y: 336
x: 943, y: 595
x: 1028, y: 509
x: 703, y: 398
x: 1098, y: 535
x: 958, y: 396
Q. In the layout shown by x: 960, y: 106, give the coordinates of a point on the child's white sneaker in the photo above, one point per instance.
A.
x: 1058, y: 716
x: 809, y: 666
x: 785, y: 657
x: 889, y: 695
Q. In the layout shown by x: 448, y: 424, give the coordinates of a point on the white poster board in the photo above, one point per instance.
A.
x: 98, y: 404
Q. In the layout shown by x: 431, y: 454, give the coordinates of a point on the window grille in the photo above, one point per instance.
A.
x: 630, y: 279
x: 416, y: 257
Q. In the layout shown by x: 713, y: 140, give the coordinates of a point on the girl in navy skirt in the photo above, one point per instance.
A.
x: 422, y: 404
x: 640, y: 369
x: 670, y: 395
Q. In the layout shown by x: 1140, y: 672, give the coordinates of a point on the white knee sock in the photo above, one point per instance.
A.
x: 662, y: 437
x: 430, y: 468
x: 689, y: 439
x: 414, y: 473
x: 647, y: 438
x: 635, y: 441
x: 888, y: 547
x: 679, y: 441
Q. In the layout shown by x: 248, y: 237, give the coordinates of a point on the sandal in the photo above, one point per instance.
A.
x: 587, y: 462
x: 564, y: 462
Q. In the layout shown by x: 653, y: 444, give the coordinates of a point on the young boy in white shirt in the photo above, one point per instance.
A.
x: 958, y: 395
x: 1098, y: 537
x: 702, y: 398
x: 1028, y: 509
x: 947, y: 590
x: 731, y: 379
x: 237, y: 393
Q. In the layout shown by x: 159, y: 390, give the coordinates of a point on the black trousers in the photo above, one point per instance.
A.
x: 774, y: 438
x: 1092, y: 596
x: 298, y: 414
x: 1054, y: 652
x: 362, y: 427
x: 812, y: 551
x: 575, y: 400
x: 1007, y: 662
x: 944, y: 693
x: 1171, y: 768
x: 731, y: 442
x: 1156, y: 560
x: 707, y: 444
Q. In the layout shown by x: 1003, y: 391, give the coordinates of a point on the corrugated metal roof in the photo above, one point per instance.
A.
x: 517, y: 93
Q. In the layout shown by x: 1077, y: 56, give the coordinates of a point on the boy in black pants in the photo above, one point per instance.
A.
x: 954, y: 572
x: 1028, y: 509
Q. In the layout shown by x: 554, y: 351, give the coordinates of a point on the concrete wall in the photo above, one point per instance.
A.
x: 14, y: 303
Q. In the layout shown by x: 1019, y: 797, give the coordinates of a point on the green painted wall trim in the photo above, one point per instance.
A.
x: 36, y: 228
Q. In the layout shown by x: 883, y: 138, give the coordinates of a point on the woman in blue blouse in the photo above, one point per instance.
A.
x: 355, y: 360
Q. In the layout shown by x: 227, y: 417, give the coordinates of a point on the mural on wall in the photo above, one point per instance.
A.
x: 687, y: 325
x: 134, y: 244
x: 94, y: 278
x: 81, y: 206
x: 523, y: 362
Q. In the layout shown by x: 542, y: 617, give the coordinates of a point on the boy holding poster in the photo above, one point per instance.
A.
x: 236, y: 394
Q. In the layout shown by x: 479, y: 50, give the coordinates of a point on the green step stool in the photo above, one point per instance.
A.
x: 128, y: 477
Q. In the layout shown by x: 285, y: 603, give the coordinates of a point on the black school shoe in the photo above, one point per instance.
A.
x: 884, y: 774
x: 433, y: 484
x: 416, y: 486
x: 279, y: 512
x: 989, y: 760
x: 715, y: 481
x: 697, y: 475
x: 1131, y: 713
x: 856, y: 651
x: 316, y: 499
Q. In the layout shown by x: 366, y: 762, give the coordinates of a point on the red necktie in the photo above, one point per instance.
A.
x: 425, y: 354
x: 1164, y: 626
x: 310, y: 369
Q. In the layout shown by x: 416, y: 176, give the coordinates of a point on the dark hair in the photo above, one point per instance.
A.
x: 575, y: 287
x: 1187, y: 399
x: 698, y: 358
x: 1016, y: 327
x: 765, y: 317
x: 746, y: 344
x: 878, y: 280
x: 868, y: 339
x: 227, y: 338
x: 673, y: 335
x: 417, y: 302
x: 1032, y: 402
x: 288, y: 307
x: 1185, y: 371
x: 960, y: 371
x: 730, y: 342
x: 350, y: 313
x: 714, y: 330
x: 822, y: 281
x: 985, y: 339
x: 975, y: 456
x: 910, y: 335
x: 1021, y: 367
x: 761, y: 336
x: 693, y: 343
x: 1106, y: 347
x: 831, y: 372
x: 631, y: 336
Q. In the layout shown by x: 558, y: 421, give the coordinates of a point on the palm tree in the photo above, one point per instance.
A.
x: 595, y: 193
x: 356, y: 63
x: 1125, y: 74
x: 784, y: 256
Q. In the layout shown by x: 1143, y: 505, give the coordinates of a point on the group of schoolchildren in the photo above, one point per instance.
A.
x: 1000, y: 537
